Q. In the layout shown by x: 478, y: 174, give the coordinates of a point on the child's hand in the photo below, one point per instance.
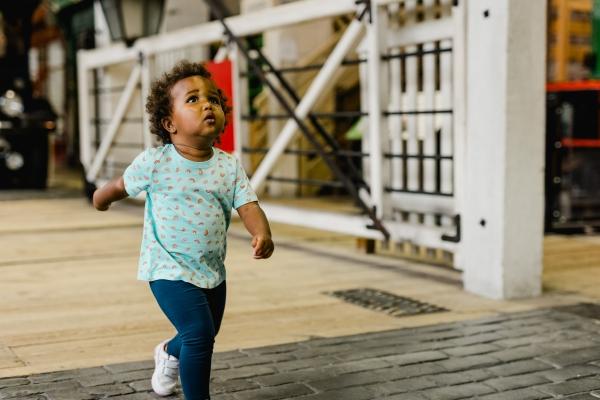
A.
x: 263, y: 246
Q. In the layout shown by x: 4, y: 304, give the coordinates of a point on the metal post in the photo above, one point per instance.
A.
x: 85, y: 137
x: 459, y: 123
x: 377, y: 93
x: 395, y: 123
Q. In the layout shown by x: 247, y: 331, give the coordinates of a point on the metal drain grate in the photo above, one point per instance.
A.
x: 388, y: 303
x: 587, y: 310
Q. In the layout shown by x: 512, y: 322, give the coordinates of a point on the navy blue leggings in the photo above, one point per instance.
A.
x: 196, y: 313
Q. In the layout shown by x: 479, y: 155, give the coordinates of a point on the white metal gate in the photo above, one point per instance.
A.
x: 412, y: 87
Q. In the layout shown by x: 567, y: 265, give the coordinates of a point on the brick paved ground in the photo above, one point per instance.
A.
x: 544, y: 354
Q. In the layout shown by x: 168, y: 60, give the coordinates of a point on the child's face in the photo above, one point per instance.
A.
x: 196, y: 114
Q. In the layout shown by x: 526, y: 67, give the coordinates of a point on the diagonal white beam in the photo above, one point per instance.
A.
x: 319, y: 85
x: 107, y: 140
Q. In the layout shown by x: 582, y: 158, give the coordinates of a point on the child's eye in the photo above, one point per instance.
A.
x: 192, y: 99
x: 214, y: 100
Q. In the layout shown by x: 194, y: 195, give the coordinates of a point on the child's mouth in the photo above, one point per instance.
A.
x: 210, y: 119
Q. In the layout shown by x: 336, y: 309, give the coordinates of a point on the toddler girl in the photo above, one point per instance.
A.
x: 190, y: 188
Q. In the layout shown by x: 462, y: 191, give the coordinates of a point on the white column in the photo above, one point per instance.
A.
x: 504, y: 202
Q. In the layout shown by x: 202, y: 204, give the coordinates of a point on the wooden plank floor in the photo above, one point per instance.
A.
x: 572, y: 264
x: 70, y: 297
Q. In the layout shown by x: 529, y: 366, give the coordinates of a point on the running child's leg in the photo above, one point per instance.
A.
x: 187, y: 307
x: 216, y: 302
x: 174, y: 346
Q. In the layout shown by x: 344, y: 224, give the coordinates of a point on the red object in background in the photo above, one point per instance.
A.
x: 221, y: 74
x: 589, y: 143
x: 572, y: 86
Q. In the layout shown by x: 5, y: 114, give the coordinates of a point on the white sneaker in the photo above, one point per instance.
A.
x: 166, y: 371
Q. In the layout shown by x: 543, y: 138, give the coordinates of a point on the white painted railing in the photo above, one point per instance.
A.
x: 415, y: 84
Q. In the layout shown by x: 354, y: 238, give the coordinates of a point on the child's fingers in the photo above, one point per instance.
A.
x: 263, y: 248
x: 257, y: 244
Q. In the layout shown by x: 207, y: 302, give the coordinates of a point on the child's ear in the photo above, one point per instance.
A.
x: 167, y: 123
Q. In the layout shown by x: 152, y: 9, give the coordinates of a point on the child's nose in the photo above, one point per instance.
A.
x: 207, y: 105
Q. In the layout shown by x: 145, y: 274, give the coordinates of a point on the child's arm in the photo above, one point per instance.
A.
x: 256, y: 223
x: 109, y: 193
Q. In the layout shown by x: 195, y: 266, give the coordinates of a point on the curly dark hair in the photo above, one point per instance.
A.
x: 159, y: 102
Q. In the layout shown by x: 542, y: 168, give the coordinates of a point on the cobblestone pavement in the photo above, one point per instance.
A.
x: 544, y: 354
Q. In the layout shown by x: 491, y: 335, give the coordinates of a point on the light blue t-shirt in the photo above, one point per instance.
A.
x: 188, y: 209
